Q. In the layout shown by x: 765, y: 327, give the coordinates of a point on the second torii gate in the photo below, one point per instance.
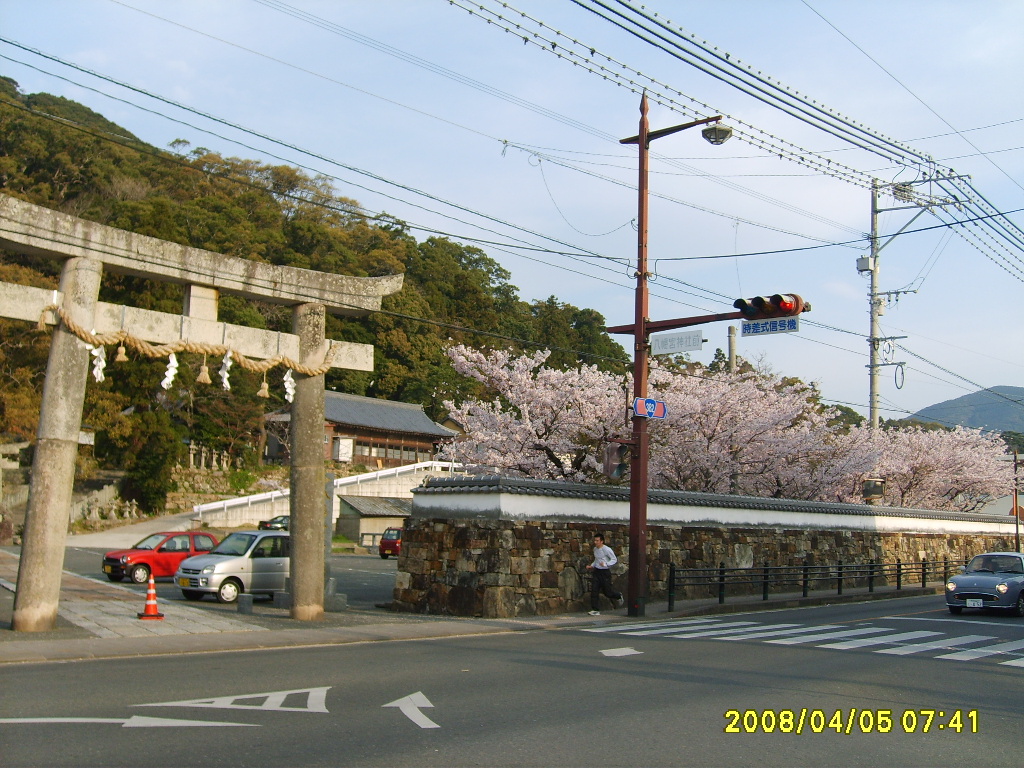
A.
x: 82, y: 321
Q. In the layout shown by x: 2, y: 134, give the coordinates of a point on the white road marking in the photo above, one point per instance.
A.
x: 650, y: 624
x: 936, y: 645
x: 316, y: 701
x: 960, y: 621
x: 757, y: 634
x: 691, y: 628
x: 866, y: 641
x: 988, y: 650
x: 410, y: 707
x: 828, y: 635
x: 717, y: 632
x: 136, y: 721
x: 620, y: 652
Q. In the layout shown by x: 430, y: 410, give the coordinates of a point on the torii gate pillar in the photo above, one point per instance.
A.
x: 46, y: 523
x: 307, y: 470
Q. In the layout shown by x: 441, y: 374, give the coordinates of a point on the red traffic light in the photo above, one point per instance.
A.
x: 766, y: 307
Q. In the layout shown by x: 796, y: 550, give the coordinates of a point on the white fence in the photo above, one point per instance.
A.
x: 396, y: 482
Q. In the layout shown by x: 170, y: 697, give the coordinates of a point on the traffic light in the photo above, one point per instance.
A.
x: 615, y: 464
x: 767, y: 307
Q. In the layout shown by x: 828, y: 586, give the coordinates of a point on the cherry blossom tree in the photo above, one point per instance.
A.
x: 956, y: 470
x: 541, y: 422
x: 752, y: 433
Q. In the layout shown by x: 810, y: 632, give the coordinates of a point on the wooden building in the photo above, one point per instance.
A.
x: 377, y: 434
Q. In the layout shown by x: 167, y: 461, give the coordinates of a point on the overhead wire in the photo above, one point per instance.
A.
x: 995, y: 214
x: 921, y: 101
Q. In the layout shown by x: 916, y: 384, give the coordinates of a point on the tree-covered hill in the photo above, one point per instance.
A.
x: 60, y: 154
x: 998, y: 409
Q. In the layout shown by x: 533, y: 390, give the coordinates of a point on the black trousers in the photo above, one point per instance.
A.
x: 601, y: 581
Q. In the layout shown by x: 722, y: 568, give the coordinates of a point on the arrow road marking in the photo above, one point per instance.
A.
x: 620, y: 652
x: 410, y: 707
x: 135, y: 721
x: 316, y: 701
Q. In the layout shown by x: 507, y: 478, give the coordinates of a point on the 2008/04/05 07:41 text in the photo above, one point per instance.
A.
x: 852, y: 721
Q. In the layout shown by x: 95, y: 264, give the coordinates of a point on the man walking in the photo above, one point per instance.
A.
x: 601, y: 575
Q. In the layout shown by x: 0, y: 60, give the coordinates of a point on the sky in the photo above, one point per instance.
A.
x: 453, y: 123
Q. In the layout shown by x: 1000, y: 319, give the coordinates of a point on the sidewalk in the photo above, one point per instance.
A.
x: 98, y: 619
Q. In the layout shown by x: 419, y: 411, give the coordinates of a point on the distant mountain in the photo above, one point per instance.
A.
x: 1000, y: 409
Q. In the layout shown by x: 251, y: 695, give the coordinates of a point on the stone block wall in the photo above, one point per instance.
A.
x: 505, y: 568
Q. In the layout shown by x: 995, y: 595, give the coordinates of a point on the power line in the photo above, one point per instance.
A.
x: 921, y: 101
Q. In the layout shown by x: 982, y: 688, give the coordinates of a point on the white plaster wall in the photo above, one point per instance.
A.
x: 536, y: 507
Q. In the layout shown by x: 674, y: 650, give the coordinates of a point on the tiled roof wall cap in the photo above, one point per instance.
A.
x: 558, y: 488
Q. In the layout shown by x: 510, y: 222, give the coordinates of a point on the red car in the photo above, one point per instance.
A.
x: 158, y: 554
x: 390, y: 543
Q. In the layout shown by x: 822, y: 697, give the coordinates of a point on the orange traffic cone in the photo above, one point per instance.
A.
x: 151, y: 610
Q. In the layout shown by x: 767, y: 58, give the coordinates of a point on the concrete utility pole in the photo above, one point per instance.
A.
x: 732, y: 349
x: 875, y: 311
x: 878, y: 299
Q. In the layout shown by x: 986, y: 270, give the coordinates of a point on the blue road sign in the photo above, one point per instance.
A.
x: 649, y: 408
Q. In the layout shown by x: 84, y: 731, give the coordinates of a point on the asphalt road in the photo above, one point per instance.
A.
x: 786, y: 689
x: 366, y: 579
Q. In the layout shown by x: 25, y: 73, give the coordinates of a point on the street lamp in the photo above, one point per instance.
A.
x: 636, y: 598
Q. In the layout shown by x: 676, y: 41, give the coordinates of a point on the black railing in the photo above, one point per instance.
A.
x: 790, y: 578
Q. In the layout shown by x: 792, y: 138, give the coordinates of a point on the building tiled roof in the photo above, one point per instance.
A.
x: 379, y: 506
x: 372, y: 413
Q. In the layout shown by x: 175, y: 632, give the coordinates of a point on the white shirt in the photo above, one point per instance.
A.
x: 604, y: 558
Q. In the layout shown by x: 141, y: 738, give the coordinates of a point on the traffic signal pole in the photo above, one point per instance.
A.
x: 641, y: 328
x: 636, y: 596
x: 636, y: 593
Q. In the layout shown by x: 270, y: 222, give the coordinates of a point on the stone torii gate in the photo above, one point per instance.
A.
x: 81, y: 321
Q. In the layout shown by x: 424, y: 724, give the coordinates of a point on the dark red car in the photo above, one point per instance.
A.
x: 390, y: 543
x: 158, y: 554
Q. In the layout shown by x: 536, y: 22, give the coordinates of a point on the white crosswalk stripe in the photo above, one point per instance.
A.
x: 949, y: 642
x: 687, y: 630
x: 678, y: 623
x: 678, y: 628
x: 864, y: 642
x: 987, y: 650
x: 718, y: 632
x: 836, y: 637
x: 828, y: 635
x: 777, y: 632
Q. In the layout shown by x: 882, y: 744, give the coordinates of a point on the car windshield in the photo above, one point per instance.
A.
x: 235, y: 544
x: 996, y: 564
x: 150, y: 541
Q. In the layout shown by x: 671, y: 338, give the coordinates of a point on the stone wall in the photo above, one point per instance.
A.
x: 506, y: 568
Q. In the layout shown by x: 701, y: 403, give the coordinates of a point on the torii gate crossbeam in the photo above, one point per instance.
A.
x: 89, y: 248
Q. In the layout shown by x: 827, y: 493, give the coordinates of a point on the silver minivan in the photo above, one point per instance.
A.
x: 245, y: 561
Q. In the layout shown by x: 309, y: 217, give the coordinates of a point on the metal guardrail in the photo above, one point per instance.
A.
x: 781, y: 578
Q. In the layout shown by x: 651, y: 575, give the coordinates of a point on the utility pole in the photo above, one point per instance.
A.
x: 878, y: 299
x: 732, y: 349
x: 875, y: 312
x: 1016, y: 508
x: 637, y: 592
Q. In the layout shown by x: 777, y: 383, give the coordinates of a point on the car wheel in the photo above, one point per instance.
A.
x: 956, y: 610
x: 229, y: 591
x: 384, y: 556
x: 115, y: 577
x: 139, y: 574
x: 192, y: 594
x: 1019, y: 608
